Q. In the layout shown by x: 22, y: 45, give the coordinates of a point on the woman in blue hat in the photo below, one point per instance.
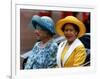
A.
x: 44, y: 52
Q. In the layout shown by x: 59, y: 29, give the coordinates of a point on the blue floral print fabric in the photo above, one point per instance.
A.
x: 42, y: 57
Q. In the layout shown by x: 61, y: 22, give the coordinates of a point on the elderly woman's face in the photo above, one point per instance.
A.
x: 40, y: 33
x: 70, y: 32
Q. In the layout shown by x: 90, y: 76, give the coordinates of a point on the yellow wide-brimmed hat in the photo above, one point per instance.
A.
x: 73, y: 20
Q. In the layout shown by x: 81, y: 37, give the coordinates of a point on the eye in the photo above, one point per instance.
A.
x: 68, y: 30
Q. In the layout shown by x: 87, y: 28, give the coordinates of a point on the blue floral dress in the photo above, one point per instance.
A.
x: 42, y: 57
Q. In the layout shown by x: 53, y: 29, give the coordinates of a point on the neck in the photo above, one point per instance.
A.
x: 70, y: 42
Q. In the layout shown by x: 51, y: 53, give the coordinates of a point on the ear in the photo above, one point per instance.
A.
x: 76, y: 33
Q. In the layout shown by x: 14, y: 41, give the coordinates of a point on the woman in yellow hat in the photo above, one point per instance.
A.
x: 71, y: 53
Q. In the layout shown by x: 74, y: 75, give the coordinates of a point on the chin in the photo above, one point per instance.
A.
x: 70, y: 40
x: 37, y: 38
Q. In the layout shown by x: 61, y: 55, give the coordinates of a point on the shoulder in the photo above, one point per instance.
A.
x: 36, y: 45
x: 80, y: 44
x: 80, y: 48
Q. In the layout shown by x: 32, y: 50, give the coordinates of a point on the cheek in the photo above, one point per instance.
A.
x: 76, y: 34
x: 70, y: 35
x: 42, y: 34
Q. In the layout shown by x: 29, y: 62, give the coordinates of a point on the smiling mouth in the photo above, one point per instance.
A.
x: 68, y: 36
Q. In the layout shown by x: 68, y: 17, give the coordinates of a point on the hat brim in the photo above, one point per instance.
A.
x: 73, y: 20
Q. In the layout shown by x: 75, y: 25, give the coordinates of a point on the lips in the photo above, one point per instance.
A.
x: 69, y: 36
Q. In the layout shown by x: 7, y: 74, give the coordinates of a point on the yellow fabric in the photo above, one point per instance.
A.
x: 77, y: 57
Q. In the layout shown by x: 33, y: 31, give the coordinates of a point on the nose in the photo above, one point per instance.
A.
x: 36, y: 32
x: 67, y: 32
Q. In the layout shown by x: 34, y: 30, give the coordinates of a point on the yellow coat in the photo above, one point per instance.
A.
x: 76, y: 58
